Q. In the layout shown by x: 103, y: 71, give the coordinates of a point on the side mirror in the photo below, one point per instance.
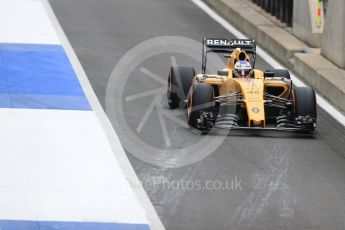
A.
x: 223, y: 72
x: 268, y: 74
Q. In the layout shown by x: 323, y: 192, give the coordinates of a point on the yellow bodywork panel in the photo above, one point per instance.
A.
x: 253, y: 93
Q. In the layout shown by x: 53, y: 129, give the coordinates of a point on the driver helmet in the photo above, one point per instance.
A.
x: 242, y: 69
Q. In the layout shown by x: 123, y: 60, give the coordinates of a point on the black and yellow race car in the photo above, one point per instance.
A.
x: 240, y: 96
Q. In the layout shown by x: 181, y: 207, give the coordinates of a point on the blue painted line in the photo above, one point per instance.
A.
x: 60, y: 225
x: 38, y: 77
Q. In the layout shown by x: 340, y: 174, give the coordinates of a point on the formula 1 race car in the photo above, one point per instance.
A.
x: 256, y: 100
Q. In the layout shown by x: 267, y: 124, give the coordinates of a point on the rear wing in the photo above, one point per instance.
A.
x: 228, y: 45
x: 219, y: 45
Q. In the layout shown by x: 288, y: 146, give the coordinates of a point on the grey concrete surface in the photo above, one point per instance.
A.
x: 288, y: 181
x: 323, y: 75
x: 333, y: 45
x: 241, y: 15
x: 304, y: 12
x: 280, y: 43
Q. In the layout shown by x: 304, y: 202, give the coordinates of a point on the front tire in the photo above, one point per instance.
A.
x: 179, y: 83
x: 305, y: 104
x: 201, y: 99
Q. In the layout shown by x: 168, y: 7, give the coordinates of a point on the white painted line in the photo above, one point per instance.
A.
x: 118, y: 151
x: 25, y: 22
x: 323, y: 103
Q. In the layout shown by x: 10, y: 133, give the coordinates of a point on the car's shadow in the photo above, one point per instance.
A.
x: 258, y: 133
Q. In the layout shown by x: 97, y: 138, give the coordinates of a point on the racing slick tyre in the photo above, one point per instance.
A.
x: 179, y: 82
x: 201, y: 101
x: 281, y: 73
x: 305, y: 105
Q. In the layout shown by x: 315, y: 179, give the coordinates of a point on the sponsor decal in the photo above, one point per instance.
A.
x: 225, y: 42
x: 255, y: 110
x: 256, y: 92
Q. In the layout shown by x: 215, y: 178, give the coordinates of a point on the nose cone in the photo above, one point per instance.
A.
x: 256, y: 114
x: 253, y: 95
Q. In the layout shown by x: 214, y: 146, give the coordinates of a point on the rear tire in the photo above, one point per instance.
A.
x: 179, y: 82
x: 201, y: 99
x: 281, y: 73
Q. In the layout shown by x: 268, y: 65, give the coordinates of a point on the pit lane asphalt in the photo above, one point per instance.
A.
x: 287, y: 181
